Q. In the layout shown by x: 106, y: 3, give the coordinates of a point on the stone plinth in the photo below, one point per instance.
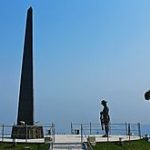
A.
x: 27, y: 132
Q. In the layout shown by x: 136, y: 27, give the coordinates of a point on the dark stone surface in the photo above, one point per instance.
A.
x: 147, y: 95
x: 27, y: 132
x: 26, y: 108
x: 25, y: 128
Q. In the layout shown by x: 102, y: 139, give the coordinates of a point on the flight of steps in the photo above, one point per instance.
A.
x: 67, y: 146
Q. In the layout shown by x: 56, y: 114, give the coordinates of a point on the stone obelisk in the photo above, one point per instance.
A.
x: 25, y: 108
x: 25, y: 127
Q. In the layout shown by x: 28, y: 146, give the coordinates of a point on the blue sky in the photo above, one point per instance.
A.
x: 84, y: 50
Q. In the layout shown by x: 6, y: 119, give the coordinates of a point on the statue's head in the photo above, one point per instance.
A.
x: 103, y: 102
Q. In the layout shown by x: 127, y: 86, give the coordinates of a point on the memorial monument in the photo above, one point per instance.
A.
x: 25, y: 128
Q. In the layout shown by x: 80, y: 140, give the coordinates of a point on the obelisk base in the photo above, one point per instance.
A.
x: 27, y: 132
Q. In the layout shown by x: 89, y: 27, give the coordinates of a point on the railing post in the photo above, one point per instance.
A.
x: 71, y: 128
x: 126, y: 128
x: 81, y: 134
x: 139, y: 130
x: 129, y: 131
x: 2, y: 132
x: 90, y: 128
x: 53, y: 129
x: 53, y: 135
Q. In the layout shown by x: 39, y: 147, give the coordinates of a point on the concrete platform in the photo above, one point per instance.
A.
x: 98, y: 138
x: 69, y: 138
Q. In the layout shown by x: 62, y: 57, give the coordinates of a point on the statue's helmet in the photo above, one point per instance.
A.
x: 103, y: 102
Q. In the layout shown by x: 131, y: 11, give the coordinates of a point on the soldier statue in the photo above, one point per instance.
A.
x: 104, y: 118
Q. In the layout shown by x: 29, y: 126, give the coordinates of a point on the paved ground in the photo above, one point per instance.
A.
x: 98, y: 138
x: 72, y: 142
x: 69, y: 138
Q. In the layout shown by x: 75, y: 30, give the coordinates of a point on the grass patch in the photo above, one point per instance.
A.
x: 133, y: 145
x: 21, y: 146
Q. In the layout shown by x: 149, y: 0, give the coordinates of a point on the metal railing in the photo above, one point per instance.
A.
x: 48, y: 132
x: 84, y: 130
x: 90, y: 129
x: 114, y: 128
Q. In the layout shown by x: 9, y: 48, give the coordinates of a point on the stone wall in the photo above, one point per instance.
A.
x: 27, y: 132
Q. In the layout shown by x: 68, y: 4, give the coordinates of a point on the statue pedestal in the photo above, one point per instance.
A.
x: 27, y: 132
